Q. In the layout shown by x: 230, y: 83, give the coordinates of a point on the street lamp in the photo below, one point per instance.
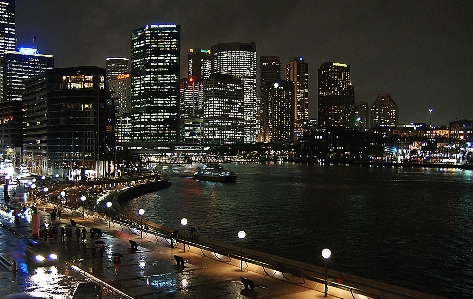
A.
x: 241, y: 235
x: 109, y: 205
x: 83, y: 198
x: 184, y: 222
x: 430, y: 113
x: 326, y: 253
x: 141, y: 212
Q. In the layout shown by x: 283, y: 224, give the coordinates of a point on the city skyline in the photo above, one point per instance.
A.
x: 416, y: 51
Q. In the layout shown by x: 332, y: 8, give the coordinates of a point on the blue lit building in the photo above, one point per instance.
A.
x: 20, y: 65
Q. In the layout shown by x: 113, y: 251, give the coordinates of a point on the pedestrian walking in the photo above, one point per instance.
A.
x: 84, y: 235
x: 59, y: 214
x: 92, y: 250
x: 63, y: 234
x: 116, y: 263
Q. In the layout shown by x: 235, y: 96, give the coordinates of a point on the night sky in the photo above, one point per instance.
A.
x: 421, y: 52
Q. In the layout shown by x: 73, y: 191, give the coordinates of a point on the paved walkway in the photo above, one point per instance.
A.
x: 151, y: 270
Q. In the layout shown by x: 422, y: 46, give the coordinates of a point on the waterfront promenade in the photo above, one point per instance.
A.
x: 211, y: 269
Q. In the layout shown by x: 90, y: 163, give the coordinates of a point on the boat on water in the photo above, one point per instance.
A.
x: 215, y: 173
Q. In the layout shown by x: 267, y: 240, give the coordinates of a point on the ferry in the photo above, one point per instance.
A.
x: 215, y: 173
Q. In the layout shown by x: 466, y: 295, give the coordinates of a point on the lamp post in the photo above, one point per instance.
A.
x: 184, y: 223
x: 109, y: 205
x: 63, y: 196
x: 241, y: 235
x: 326, y: 253
x: 430, y: 114
x: 83, y: 198
x: 141, y: 212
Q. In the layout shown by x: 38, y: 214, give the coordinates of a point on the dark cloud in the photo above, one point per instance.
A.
x: 418, y: 51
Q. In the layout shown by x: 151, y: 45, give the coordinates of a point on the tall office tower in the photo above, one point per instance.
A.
x: 297, y: 71
x: 239, y: 60
x: 336, y: 95
x: 200, y: 64
x: 20, y: 65
x: 384, y: 111
x: 155, y: 83
x: 224, y: 111
x: 118, y: 79
x: 7, y: 32
x: 281, y: 111
x: 270, y: 72
x: 69, y: 123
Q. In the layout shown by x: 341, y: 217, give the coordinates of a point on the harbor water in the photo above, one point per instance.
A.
x: 410, y: 227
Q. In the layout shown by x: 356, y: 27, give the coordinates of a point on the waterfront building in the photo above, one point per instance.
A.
x: 155, y: 69
x: 11, y: 120
x: 336, y: 95
x: 280, y: 122
x: 239, y: 60
x: 297, y: 71
x: 69, y: 123
x: 270, y: 72
x: 223, y: 110
x: 118, y: 80
x: 7, y: 32
x: 20, y: 65
x: 384, y: 111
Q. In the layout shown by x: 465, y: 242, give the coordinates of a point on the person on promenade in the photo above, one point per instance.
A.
x: 63, y: 234
x: 116, y: 263
x: 92, y: 250
x: 84, y: 235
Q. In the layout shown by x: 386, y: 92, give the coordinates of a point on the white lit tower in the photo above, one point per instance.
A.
x: 7, y: 31
x: 239, y: 60
x: 155, y: 70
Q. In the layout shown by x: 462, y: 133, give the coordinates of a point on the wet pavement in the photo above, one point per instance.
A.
x: 149, y: 271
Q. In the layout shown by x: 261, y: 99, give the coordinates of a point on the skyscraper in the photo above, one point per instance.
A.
x: 336, y: 95
x: 155, y: 83
x: 297, y: 71
x: 384, y: 111
x: 7, y: 32
x: 270, y: 72
x: 239, y: 60
x: 7, y: 26
x: 20, y: 65
x: 223, y: 110
x: 118, y: 81
x: 199, y: 64
x: 280, y: 121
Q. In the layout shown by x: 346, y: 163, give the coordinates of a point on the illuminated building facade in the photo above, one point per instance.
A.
x: 223, y: 110
x: 270, y: 72
x: 281, y: 111
x: 118, y: 79
x: 20, y: 65
x: 359, y: 118
x: 155, y: 70
x: 297, y: 71
x: 384, y: 112
x: 336, y: 95
x: 7, y: 31
x: 69, y: 123
x: 239, y: 60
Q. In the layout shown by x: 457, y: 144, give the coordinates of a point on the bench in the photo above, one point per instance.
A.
x: 133, y: 244
x: 247, y: 283
x: 179, y: 260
